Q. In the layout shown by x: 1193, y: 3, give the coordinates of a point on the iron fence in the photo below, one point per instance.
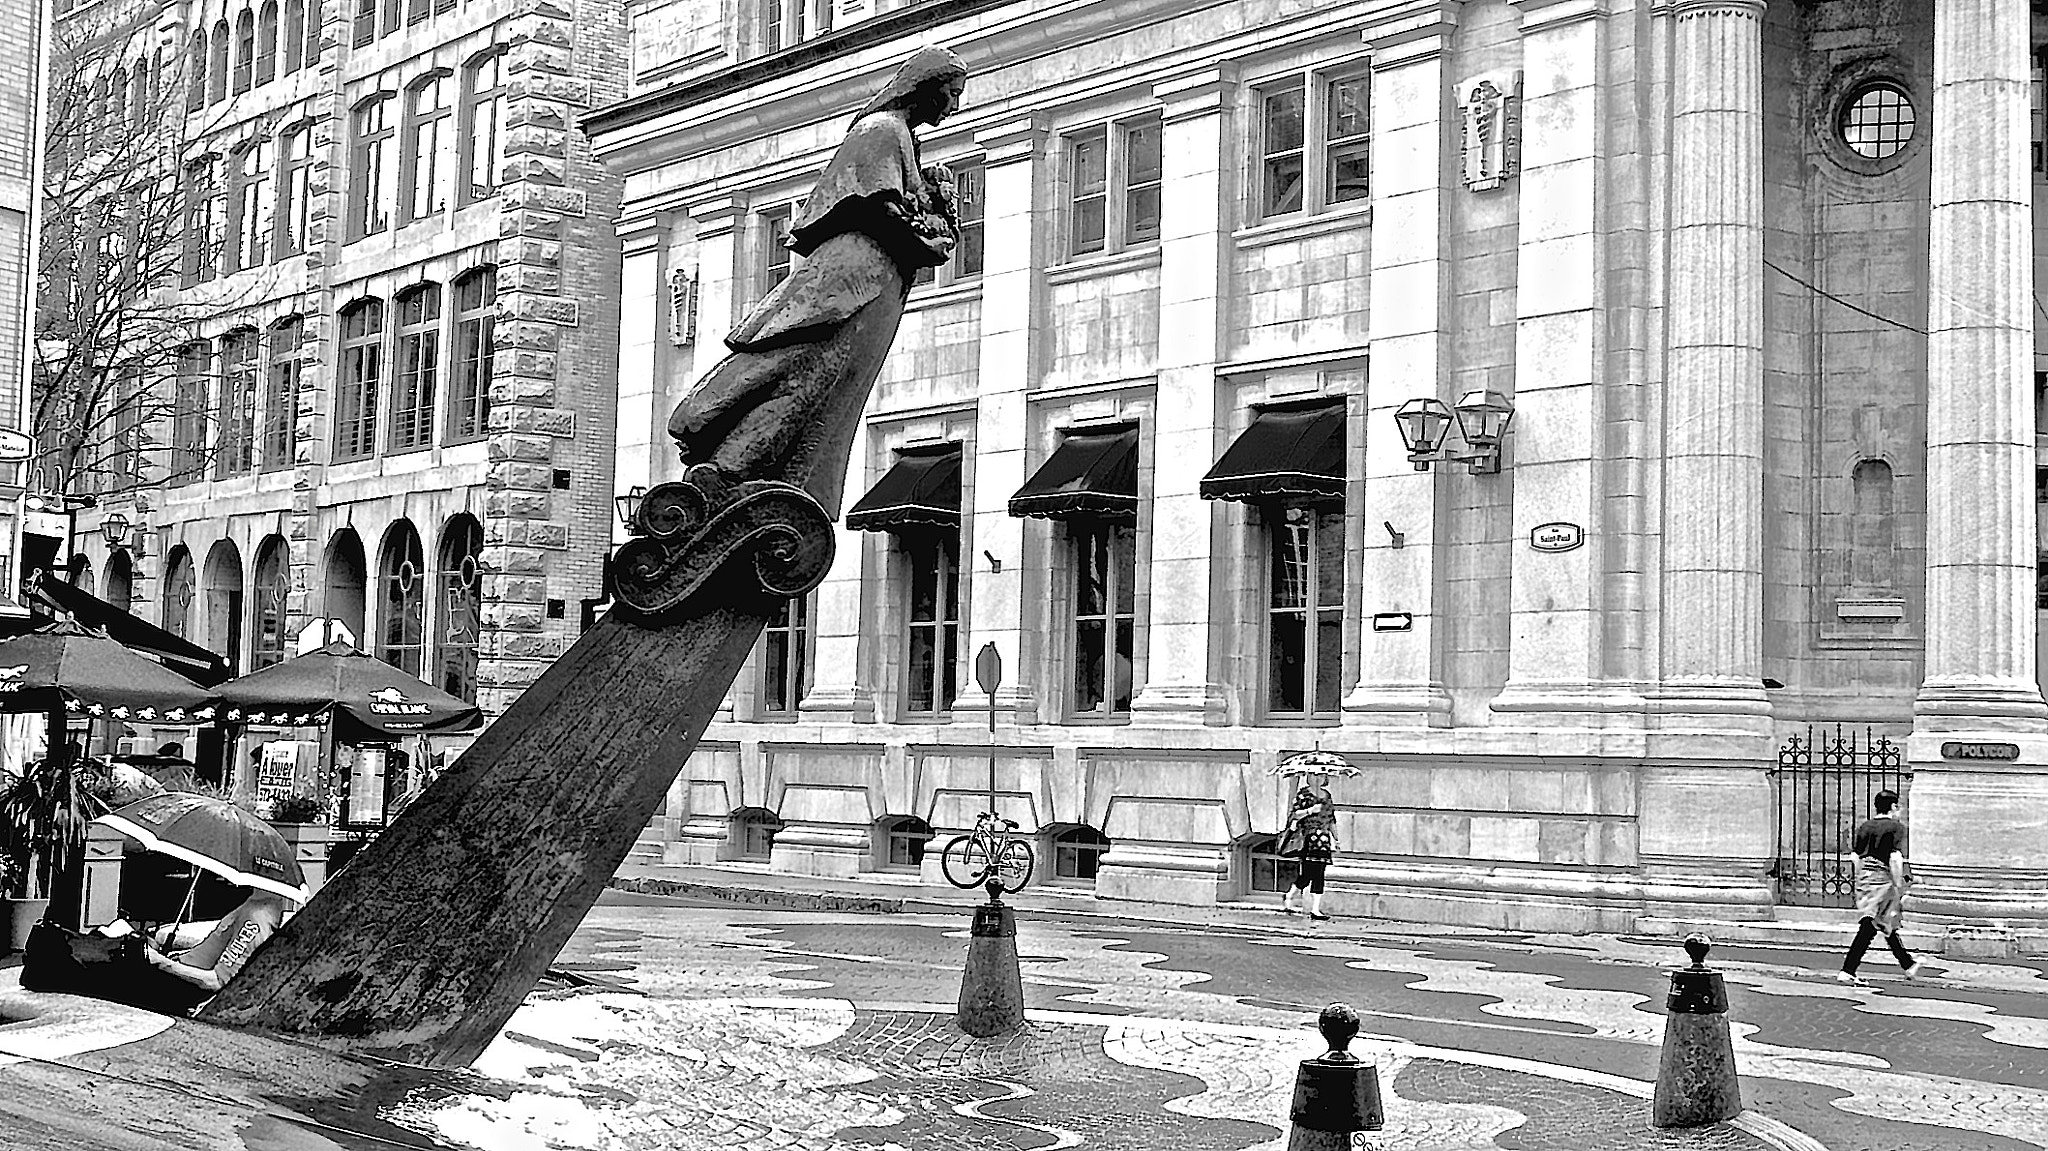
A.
x: 1825, y: 782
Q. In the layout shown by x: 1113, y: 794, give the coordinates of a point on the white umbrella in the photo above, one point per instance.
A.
x: 1316, y: 763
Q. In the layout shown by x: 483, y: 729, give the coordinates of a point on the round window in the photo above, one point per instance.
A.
x: 1877, y: 122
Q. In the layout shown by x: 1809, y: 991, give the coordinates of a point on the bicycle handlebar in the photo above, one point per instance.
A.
x: 991, y: 816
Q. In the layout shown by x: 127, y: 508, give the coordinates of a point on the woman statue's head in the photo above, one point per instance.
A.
x: 927, y: 87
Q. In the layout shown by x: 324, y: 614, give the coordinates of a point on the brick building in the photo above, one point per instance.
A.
x: 1754, y: 280
x: 389, y: 400
x: 23, y: 60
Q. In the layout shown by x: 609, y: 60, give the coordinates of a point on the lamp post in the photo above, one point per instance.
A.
x: 114, y: 529
x: 628, y: 506
x: 988, y: 675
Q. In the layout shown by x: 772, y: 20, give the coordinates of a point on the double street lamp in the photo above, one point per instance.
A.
x: 1482, y: 418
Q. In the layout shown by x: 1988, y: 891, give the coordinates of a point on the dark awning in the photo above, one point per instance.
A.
x: 921, y: 489
x: 132, y: 631
x: 1287, y: 454
x: 1092, y: 473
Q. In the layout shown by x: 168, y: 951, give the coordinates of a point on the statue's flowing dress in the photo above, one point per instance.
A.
x: 785, y: 404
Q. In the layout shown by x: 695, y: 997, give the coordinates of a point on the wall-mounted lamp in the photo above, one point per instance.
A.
x: 628, y: 504
x: 1482, y: 417
x: 114, y: 529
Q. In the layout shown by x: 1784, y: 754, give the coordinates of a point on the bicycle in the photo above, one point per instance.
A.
x: 992, y: 847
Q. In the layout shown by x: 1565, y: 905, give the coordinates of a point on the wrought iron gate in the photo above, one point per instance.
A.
x: 1825, y: 781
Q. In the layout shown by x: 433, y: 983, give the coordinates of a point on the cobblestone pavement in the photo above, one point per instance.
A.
x: 743, y: 1028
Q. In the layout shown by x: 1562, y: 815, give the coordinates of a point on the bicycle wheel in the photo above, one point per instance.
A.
x: 1015, y: 864
x: 965, y: 861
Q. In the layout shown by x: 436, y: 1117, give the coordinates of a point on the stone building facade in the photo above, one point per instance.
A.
x: 391, y: 403
x: 23, y: 61
x: 1755, y: 280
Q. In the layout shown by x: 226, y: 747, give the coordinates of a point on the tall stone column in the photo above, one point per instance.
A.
x: 1980, y: 826
x: 1401, y: 673
x: 1705, y: 813
x: 1012, y: 306
x: 1199, y: 147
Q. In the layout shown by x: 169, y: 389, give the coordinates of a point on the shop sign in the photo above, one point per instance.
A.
x: 15, y: 445
x: 391, y: 701
x: 1958, y: 750
x: 1556, y: 537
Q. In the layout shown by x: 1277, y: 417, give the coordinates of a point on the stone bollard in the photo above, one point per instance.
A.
x: 992, y: 989
x: 1696, y: 1082
x: 1336, y: 1097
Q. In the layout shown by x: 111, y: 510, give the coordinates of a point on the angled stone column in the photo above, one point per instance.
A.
x: 1199, y: 143
x: 1980, y: 827
x: 1401, y: 673
x: 1012, y: 300
x: 1705, y: 805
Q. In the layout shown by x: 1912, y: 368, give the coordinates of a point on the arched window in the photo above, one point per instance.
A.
x: 1873, y: 528
x: 427, y: 174
x: 419, y: 368
x: 270, y: 643
x: 362, y: 375
x: 370, y: 167
x: 294, y: 35
x: 363, y: 23
x: 469, y: 392
x: 266, y: 43
x: 237, y: 403
x: 460, y: 609
x: 245, y: 51
x: 1077, y: 852
x: 188, y: 413
x: 1267, y: 868
x: 205, y: 233
x: 903, y: 841
x: 139, y: 108
x: 80, y: 575
x: 753, y: 833
x: 281, y: 394
x: 120, y: 579
x: 195, y: 72
x: 294, y: 190
x: 402, y: 611
x: 217, y: 63
x: 248, y: 180
x: 312, y: 34
x: 181, y: 586
x: 346, y: 596
x: 224, y: 602
x: 483, y: 126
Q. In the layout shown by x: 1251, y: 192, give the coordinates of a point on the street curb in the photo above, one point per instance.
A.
x: 762, y: 896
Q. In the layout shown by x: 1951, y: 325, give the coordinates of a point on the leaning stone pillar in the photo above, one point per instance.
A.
x: 1980, y: 826
x: 1705, y: 815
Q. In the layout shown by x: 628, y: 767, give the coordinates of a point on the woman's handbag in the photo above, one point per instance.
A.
x: 60, y: 959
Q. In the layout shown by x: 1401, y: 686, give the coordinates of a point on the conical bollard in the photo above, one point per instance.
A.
x: 1336, y: 1097
x: 992, y: 989
x: 1696, y: 1082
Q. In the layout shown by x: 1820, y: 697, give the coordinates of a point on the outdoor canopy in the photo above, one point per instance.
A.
x: 1287, y: 453
x: 921, y: 489
x: 363, y: 690
x: 177, y: 653
x: 1092, y: 473
x: 71, y: 668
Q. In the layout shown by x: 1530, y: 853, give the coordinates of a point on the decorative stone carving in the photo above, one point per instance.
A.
x: 1490, y: 130
x: 682, y: 306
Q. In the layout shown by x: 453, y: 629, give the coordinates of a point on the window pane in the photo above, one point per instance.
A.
x: 1284, y: 121
x: 1091, y: 163
x: 1090, y: 658
x: 1090, y: 224
x: 1288, y: 657
x: 1291, y: 559
x: 1283, y: 186
x: 1124, y: 544
x: 1347, y: 112
x: 1120, y: 669
x: 1350, y: 173
x: 1329, y: 559
x: 1091, y: 572
x: 922, y: 665
x: 924, y: 583
x: 949, y: 652
x: 1329, y: 658
x: 1141, y: 215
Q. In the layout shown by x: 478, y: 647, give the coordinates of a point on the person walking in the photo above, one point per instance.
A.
x: 1881, y: 882
x: 1311, y: 833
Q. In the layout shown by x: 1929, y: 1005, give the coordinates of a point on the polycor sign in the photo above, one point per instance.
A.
x: 16, y: 445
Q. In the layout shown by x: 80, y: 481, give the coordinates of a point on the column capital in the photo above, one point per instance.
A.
x: 719, y: 215
x: 1414, y: 37
x: 1014, y: 142
x: 644, y: 233
x: 1751, y: 8
x: 1540, y: 14
x: 1201, y: 93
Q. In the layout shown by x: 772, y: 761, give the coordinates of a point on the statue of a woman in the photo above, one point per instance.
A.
x: 786, y: 403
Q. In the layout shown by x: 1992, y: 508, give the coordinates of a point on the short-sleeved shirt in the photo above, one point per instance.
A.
x: 1878, y: 837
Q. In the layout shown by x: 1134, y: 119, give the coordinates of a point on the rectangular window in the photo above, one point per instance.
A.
x: 246, y: 209
x: 393, y: 13
x: 370, y: 183
x: 932, y: 636
x: 188, y: 415
x: 128, y: 404
x: 281, y: 395
x: 1105, y: 558
x: 417, y: 11
x: 771, y: 25
x: 202, y: 223
x: 245, y: 51
x: 237, y: 403
x: 2037, y: 111
x: 365, y: 23
x: 294, y: 34
x: 483, y: 128
x: 1315, y: 138
x: 782, y: 658
x: 1305, y: 617
x: 294, y: 192
x: 967, y: 193
x: 1115, y: 173
x: 775, y: 253
x: 362, y: 375
x: 469, y: 392
x: 429, y: 175
x: 419, y: 365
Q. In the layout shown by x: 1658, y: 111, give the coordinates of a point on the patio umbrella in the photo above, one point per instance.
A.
x: 212, y: 835
x: 1316, y: 763
x: 339, y: 679
x: 67, y: 668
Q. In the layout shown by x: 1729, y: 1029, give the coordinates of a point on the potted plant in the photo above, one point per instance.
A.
x: 21, y: 913
x: 43, y: 817
x: 303, y: 822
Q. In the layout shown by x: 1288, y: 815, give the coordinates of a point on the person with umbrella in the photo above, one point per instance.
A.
x: 217, y: 958
x: 1310, y: 833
